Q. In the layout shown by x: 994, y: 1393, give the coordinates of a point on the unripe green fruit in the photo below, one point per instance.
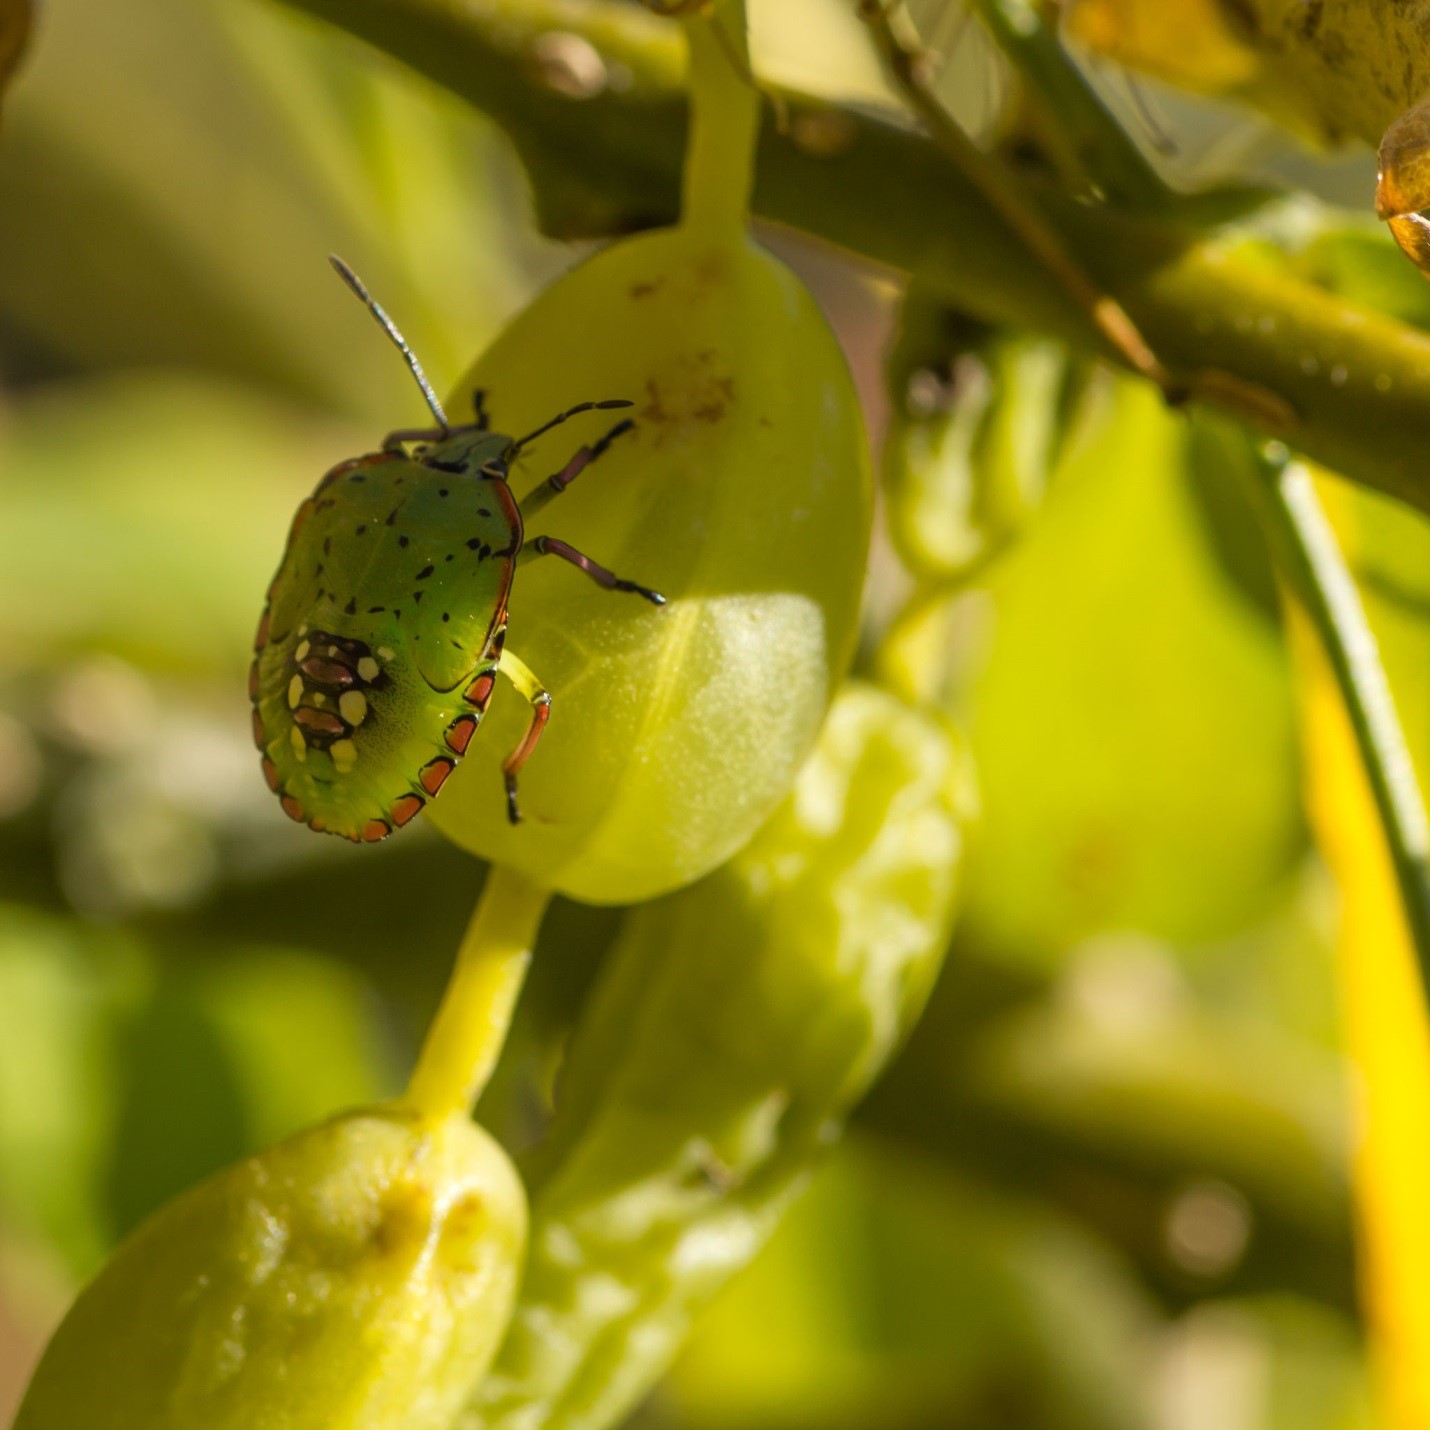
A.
x: 733, y: 1026
x: 357, y: 1276
x: 977, y: 421
x: 742, y: 494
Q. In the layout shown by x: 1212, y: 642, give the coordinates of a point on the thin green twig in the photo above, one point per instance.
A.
x: 1087, y: 138
x: 1042, y: 242
x: 1310, y: 560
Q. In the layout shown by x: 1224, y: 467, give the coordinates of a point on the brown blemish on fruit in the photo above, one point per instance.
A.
x: 654, y: 410
x: 404, y: 1219
x: 699, y: 393
x: 462, y: 1233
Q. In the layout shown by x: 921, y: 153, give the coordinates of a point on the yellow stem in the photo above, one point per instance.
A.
x: 1388, y: 1040
x: 724, y: 123
x: 466, y: 1037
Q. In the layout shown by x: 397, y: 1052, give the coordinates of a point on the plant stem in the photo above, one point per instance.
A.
x: 1087, y: 138
x: 1348, y: 385
x: 725, y: 123
x: 1311, y: 563
x: 466, y: 1037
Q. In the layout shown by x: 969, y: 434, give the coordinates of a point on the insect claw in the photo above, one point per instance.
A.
x: 513, y: 810
x: 654, y: 597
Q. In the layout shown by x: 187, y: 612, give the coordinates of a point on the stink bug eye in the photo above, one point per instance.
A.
x: 384, y: 629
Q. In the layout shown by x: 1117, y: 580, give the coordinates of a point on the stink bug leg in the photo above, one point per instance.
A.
x: 526, y: 682
x: 554, y: 485
x: 395, y: 441
x: 550, y: 546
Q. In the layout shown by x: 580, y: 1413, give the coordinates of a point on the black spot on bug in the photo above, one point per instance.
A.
x: 357, y: 477
x: 375, y: 610
x: 318, y: 570
x: 425, y: 572
x: 416, y: 597
x: 351, y: 608
x: 486, y: 551
x: 327, y: 546
x: 446, y: 616
x: 475, y: 542
x: 448, y: 556
x: 392, y: 516
x: 402, y: 541
x: 482, y: 511
x: 361, y: 527
x: 442, y: 492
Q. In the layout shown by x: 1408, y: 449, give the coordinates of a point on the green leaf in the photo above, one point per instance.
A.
x: 904, y: 1298
x: 1133, y: 724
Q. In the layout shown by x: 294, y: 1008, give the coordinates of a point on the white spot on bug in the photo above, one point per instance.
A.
x: 300, y: 745
x: 368, y: 668
x: 352, y: 706
x: 344, y: 754
x: 302, y: 630
x: 295, y: 692
x: 302, y: 652
x: 383, y: 653
x: 319, y: 698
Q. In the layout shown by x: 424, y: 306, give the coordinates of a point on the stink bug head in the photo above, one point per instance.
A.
x: 379, y: 645
x: 468, y: 451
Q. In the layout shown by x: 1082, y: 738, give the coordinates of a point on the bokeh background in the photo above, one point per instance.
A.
x: 1107, y: 1183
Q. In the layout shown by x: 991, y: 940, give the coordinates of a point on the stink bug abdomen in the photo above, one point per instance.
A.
x: 382, y: 618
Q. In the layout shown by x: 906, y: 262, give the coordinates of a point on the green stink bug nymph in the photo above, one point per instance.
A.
x: 383, y: 632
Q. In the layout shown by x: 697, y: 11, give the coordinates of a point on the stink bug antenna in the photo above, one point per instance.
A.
x: 399, y: 342
x: 564, y: 416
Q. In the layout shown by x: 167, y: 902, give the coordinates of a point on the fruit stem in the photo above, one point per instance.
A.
x: 724, y: 123
x: 466, y: 1037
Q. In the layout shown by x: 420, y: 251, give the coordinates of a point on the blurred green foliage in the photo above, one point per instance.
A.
x: 1106, y: 1183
